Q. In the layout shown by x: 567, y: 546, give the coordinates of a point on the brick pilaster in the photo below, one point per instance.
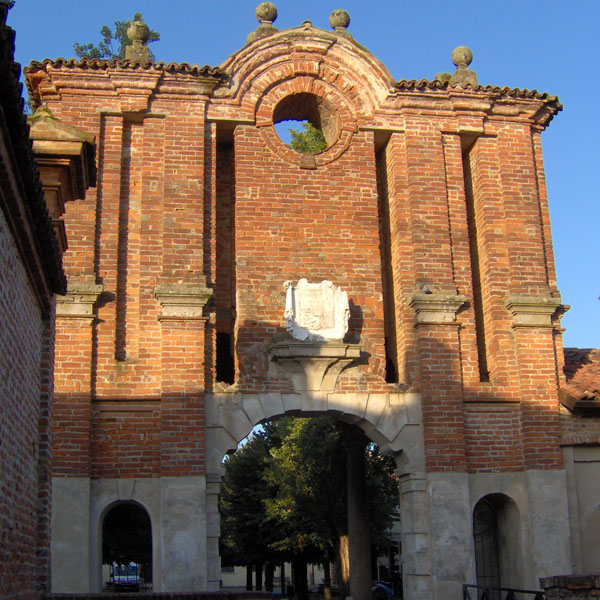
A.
x: 183, y: 378
x: 441, y: 381
x: 73, y: 380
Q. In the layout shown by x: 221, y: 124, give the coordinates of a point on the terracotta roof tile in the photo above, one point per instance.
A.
x: 97, y: 64
x: 436, y: 84
x: 582, y: 370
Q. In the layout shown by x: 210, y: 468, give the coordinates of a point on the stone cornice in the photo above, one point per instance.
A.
x: 436, y: 309
x: 182, y: 301
x: 22, y: 200
x: 532, y: 311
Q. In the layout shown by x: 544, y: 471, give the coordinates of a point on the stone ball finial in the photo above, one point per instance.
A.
x: 339, y: 19
x: 266, y: 12
x: 462, y: 56
x: 138, y: 31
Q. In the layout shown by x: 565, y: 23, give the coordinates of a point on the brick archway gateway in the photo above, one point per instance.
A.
x: 428, y: 208
x: 392, y: 420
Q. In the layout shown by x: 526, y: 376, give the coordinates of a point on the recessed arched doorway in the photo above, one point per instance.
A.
x: 497, y: 541
x: 127, y: 541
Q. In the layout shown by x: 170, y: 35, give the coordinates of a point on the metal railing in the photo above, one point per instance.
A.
x: 494, y: 593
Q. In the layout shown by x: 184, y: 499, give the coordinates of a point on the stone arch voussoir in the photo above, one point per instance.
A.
x: 392, y: 420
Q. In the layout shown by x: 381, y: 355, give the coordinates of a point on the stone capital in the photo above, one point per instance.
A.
x: 433, y: 309
x: 78, y: 302
x: 182, y: 301
x: 532, y: 311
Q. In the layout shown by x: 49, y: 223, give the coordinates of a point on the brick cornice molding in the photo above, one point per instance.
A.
x: 532, y: 311
x: 122, y: 78
x: 78, y: 302
x: 182, y: 301
x: 436, y: 309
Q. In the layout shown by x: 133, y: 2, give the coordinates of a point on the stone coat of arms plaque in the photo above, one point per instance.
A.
x: 316, y: 312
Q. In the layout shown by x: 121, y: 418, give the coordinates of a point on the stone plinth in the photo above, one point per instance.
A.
x: 78, y: 302
x: 436, y: 308
x: 182, y: 300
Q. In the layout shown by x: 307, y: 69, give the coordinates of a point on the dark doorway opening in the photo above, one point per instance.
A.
x: 127, y: 541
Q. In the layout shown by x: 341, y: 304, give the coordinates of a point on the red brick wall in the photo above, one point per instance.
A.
x: 125, y: 439
x: 24, y: 344
x: 293, y: 223
x: 181, y: 197
x: 142, y: 226
x: 492, y: 445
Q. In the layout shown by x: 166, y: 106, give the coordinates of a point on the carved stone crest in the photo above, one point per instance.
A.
x: 316, y: 312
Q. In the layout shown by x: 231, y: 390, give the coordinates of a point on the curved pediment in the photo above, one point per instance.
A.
x: 305, y: 59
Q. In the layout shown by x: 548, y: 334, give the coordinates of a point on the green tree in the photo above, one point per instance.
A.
x: 113, y: 43
x: 245, y: 532
x: 285, y: 493
x: 311, y: 140
x: 308, y: 510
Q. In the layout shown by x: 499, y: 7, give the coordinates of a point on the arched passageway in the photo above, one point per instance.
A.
x: 127, y: 540
x: 308, y: 491
x: 390, y: 420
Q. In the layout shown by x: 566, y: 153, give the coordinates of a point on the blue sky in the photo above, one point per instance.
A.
x: 551, y: 46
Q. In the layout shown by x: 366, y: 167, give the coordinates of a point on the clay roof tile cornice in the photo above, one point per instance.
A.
x: 103, y: 64
x: 551, y: 103
x: 436, y: 84
x: 207, y: 74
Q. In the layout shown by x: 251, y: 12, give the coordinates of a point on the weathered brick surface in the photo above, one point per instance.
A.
x: 30, y: 274
x: 571, y: 587
x: 293, y: 223
x: 119, y: 449
x: 21, y: 351
x: 449, y: 198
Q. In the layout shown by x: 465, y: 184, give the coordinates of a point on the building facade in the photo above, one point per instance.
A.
x: 428, y: 208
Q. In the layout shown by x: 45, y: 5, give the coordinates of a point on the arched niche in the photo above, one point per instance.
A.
x: 497, y: 542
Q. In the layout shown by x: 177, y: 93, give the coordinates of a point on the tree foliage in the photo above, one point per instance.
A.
x: 311, y: 140
x: 245, y: 538
x: 307, y: 473
x: 284, y: 494
x: 113, y: 43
